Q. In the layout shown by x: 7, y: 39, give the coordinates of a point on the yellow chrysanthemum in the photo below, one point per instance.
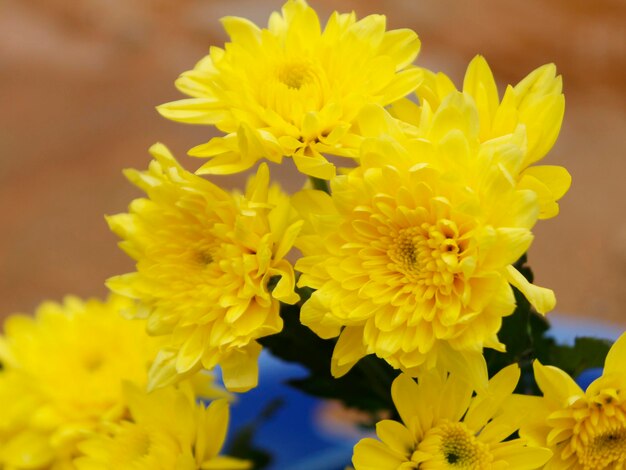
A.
x: 532, y: 111
x: 585, y: 430
x: 445, y: 427
x: 413, y: 257
x: 63, y: 373
x: 292, y: 89
x: 166, y: 430
x: 210, y: 268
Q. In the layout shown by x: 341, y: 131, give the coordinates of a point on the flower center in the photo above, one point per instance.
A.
x: 598, y: 431
x: 203, y: 252
x: 461, y: 450
x: 427, y: 255
x: 605, y: 450
x: 93, y: 363
x: 136, y: 444
x: 296, y: 74
x: 452, y: 445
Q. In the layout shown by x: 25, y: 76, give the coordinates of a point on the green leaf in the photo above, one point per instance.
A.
x: 319, y: 184
x: 584, y: 354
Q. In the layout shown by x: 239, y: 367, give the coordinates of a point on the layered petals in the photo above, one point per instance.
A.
x: 165, y: 430
x: 445, y: 426
x: 584, y: 429
x: 62, y: 377
x: 411, y: 253
x: 294, y: 88
x: 210, y: 268
x: 529, y: 115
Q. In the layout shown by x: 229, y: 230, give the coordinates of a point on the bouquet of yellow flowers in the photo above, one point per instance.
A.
x: 396, y: 276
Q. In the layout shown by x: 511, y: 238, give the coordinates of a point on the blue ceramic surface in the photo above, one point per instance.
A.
x: 293, y: 434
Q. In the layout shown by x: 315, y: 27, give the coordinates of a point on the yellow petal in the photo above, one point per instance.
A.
x: 405, y: 394
x: 615, y: 362
x: 315, y: 314
x: 520, y: 457
x: 487, y: 403
x: 480, y: 84
x: 539, y: 297
x: 213, y: 427
x: 240, y: 370
x: 555, y: 384
x: 317, y: 166
x: 163, y: 370
x: 370, y: 454
x: 396, y: 436
x: 194, y: 111
x: 554, y: 177
x: 402, y: 45
x: 190, y: 353
x: 348, y: 350
x: 27, y: 450
x: 241, y: 30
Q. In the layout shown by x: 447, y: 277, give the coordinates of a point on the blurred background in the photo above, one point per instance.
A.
x: 79, y: 82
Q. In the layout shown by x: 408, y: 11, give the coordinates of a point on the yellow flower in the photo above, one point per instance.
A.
x: 411, y: 258
x: 210, y: 268
x: 293, y: 89
x: 585, y: 430
x: 166, y: 430
x: 532, y: 111
x: 63, y: 373
x: 445, y: 427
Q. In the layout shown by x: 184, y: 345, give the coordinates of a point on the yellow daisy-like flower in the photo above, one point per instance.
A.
x: 63, y: 373
x: 293, y: 89
x: 166, y: 430
x: 412, y: 261
x: 585, y: 429
x: 445, y: 427
x: 532, y: 111
x: 210, y: 268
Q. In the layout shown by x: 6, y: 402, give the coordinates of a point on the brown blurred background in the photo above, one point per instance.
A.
x: 79, y: 81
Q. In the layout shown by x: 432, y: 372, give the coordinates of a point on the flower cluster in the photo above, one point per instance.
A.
x: 408, y: 251
x: 64, y: 378
x: 166, y: 430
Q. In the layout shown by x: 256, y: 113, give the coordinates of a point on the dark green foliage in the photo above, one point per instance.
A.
x: 523, y: 333
x: 367, y: 386
x: 584, y: 354
x: 526, y: 335
x: 320, y: 184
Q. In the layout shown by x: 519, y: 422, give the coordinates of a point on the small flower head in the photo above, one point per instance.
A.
x: 63, y: 374
x: 585, y: 429
x: 210, y: 268
x: 445, y: 427
x: 294, y: 88
x: 166, y: 430
x: 531, y: 111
